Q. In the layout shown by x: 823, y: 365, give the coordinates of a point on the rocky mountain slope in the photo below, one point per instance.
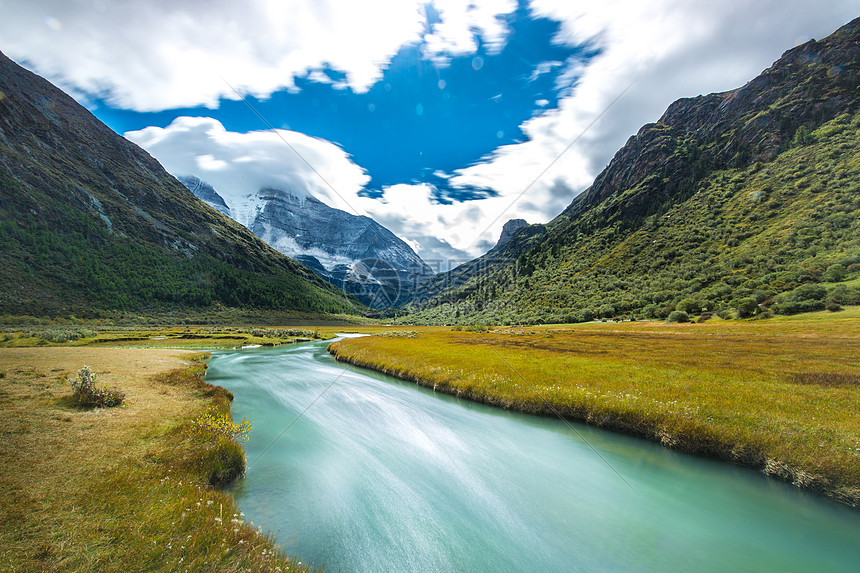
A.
x: 89, y: 221
x: 354, y: 253
x: 205, y: 193
x: 746, y: 200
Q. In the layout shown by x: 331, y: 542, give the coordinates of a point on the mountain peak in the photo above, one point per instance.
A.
x: 511, y: 227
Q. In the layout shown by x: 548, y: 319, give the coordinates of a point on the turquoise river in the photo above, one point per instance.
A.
x: 361, y: 472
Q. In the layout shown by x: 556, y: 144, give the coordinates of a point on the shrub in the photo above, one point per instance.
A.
x: 224, y: 463
x: 690, y: 306
x: 746, y: 307
x: 85, y: 392
x: 649, y: 310
x: 585, y: 315
x: 63, y: 335
x: 606, y: 311
x: 221, y: 424
x: 678, y: 316
x: 805, y: 298
x: 835, y: 273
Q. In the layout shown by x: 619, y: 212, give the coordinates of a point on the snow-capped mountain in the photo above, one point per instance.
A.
x: 205, y: 192
x: 353, y: 252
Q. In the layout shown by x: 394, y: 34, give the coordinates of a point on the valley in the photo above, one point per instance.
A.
x: 689, y: 321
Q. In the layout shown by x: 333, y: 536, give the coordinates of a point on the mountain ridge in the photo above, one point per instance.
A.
x: 353, y: 252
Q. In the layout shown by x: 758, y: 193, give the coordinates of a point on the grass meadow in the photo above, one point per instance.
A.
x: 781, y: 395
x: 118, y: 489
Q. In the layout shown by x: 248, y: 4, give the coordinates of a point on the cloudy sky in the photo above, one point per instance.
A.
x: 441, y: 120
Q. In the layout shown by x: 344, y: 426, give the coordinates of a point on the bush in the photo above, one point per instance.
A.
x: 746, y: 307
x: 835, y: 273
x: 224, y: 463
x: 221, y: 424
x: 585, y: 315
x: 63, y: 335
x: 805, y: 298
x: 85, y: 392
x: 606, y: 311
x: 690, y: 306
x: 678, y: 316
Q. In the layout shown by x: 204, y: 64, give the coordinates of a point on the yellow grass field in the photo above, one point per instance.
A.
x: 116, y: 489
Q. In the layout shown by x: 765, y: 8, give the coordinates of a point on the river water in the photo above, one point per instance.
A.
x: 381, y: 475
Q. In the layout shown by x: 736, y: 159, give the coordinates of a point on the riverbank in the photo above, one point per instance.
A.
x: 781, y: 396
x: 117, y: 489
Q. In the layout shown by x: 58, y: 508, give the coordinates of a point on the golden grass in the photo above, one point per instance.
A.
x: 116, y: 489
x: 779, y: 395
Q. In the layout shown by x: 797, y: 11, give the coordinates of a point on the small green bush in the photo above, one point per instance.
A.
x: 85, y: 392
x: 678, y: 316
x: 690, y: 306
x: 63, y: 335
x: 224, y: 463
x: 805, y: 298
x: 746, y: 307
x: 835, y: 273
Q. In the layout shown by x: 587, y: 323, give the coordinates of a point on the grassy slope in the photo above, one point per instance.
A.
x: 118, y: 489
x: 747, y: 193
x: 757, y: 231
x: 782, y: 396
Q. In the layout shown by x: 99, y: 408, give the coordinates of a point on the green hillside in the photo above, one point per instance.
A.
x: 89, y: 222
x: 746, y: 201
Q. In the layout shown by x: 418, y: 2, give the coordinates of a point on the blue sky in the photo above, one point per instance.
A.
x: 441, y: 119
x: 419, y: 119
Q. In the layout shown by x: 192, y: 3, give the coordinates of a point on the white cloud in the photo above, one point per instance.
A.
x: 239, y: 164
x: 461, y: 21
x: 150, y: 56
